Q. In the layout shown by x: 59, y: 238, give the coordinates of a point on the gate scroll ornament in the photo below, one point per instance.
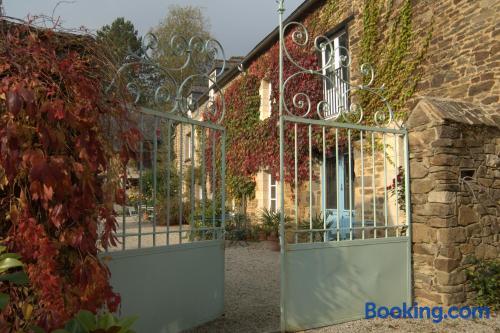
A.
x: 152, y: 83
x: 300, y: 104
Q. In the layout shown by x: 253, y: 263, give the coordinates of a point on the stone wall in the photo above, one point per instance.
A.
x: 464, y: 52
x: 453, y: 221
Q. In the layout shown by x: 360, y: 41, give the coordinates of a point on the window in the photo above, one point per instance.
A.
x: 211, y: 82
x: 344, y: 188
x: 188, y: 151
x: 272, y: 193
x: 265, y: 99
x: 339, y: 210
x: 335, y: 89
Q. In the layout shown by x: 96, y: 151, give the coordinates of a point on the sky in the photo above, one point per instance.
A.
x: 238, y: 24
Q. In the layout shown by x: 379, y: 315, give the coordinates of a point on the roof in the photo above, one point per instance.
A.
x: 264, y: 45
x: 439, y: 110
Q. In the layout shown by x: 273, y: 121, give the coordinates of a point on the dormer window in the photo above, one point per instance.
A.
x: 336, y: 90
x: 211, y: 82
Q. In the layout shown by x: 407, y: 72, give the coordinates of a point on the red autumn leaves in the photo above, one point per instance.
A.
x: 56, y: 144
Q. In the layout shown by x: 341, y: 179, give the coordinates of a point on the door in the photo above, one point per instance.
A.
x: 339, y: 201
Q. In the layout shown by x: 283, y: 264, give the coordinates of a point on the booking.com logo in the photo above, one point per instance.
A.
x: 436, y: 313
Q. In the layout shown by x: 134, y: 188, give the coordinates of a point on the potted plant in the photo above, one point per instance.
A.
x: 260, y: 232
x: 270, y: 222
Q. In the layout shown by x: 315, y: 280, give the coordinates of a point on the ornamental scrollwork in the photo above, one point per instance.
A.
x: 151, y: 82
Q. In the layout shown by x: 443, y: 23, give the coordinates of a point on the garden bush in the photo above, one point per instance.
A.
x: 484, y: 279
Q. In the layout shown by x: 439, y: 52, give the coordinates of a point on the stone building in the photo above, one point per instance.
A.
x: 454, y: 124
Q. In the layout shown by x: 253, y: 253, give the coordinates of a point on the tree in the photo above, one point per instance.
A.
x: 121, y: 36
x: 186, y: 22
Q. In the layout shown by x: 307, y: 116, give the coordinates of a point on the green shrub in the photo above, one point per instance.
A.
x: 317, y: 223
x: 271, y: 222
x: 11, y: 272
x: 87, y: 322
x: 484, y: 279
x: 238, y: 228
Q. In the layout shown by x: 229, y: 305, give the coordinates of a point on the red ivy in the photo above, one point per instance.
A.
x: 55, y: 148
x: 254, y: 145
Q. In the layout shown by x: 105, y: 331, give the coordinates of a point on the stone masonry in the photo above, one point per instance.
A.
x: 454, y: 221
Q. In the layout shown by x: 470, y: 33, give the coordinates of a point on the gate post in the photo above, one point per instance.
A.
x: 281, y: 10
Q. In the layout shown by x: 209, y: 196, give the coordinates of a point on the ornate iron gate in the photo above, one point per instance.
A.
x: 344, y: 187
x: 169, y: 264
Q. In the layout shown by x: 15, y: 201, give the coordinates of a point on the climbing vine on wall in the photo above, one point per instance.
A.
x: 63, y: 143
x: 388, y: 42
x: 391, y: 45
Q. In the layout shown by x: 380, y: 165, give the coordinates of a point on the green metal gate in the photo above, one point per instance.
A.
x: 346, y: 240
x: 168, y: 265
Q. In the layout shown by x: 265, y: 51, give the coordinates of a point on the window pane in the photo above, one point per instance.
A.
x: 331, y: 184
x: 273, y: 206
x: 273, y: 192
x: 348, y: 181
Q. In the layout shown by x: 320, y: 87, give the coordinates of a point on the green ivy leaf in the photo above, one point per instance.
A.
x: 4, y: 300
x: 73, y: 326
x: 87, y: 320
x: 9, y: 255
x: 9, y: 263
x: 37, y: 329
x: 127, y: 323
x: 105, y: 321
x: 114, y: 329
x: 19, y: 278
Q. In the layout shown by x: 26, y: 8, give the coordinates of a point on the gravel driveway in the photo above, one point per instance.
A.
x: 252, y: 295
x: 252, y: 301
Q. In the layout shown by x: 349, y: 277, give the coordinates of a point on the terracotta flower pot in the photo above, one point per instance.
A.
x: 272, y: 237
x: 262, y: 236
x: 275, y: 245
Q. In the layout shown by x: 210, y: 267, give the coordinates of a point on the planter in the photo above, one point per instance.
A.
x: 262, y: 236
x: 273, y: 240
x: 274, y: 245
x: 272, y: 237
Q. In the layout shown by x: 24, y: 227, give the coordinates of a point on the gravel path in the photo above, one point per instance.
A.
x: 414, y: 326
x: 252, y: 295
x: 252, y: 301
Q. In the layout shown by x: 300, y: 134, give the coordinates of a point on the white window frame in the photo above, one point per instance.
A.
x: 335, y: 95
x: 189, y: 148
x: 211, y: 82
x: 271, y: 199
x: 265, y: 99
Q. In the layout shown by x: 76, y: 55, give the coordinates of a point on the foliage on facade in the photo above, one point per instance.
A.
x: 58, y: 180
x: 387, y: 42
x: 252, y: 144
